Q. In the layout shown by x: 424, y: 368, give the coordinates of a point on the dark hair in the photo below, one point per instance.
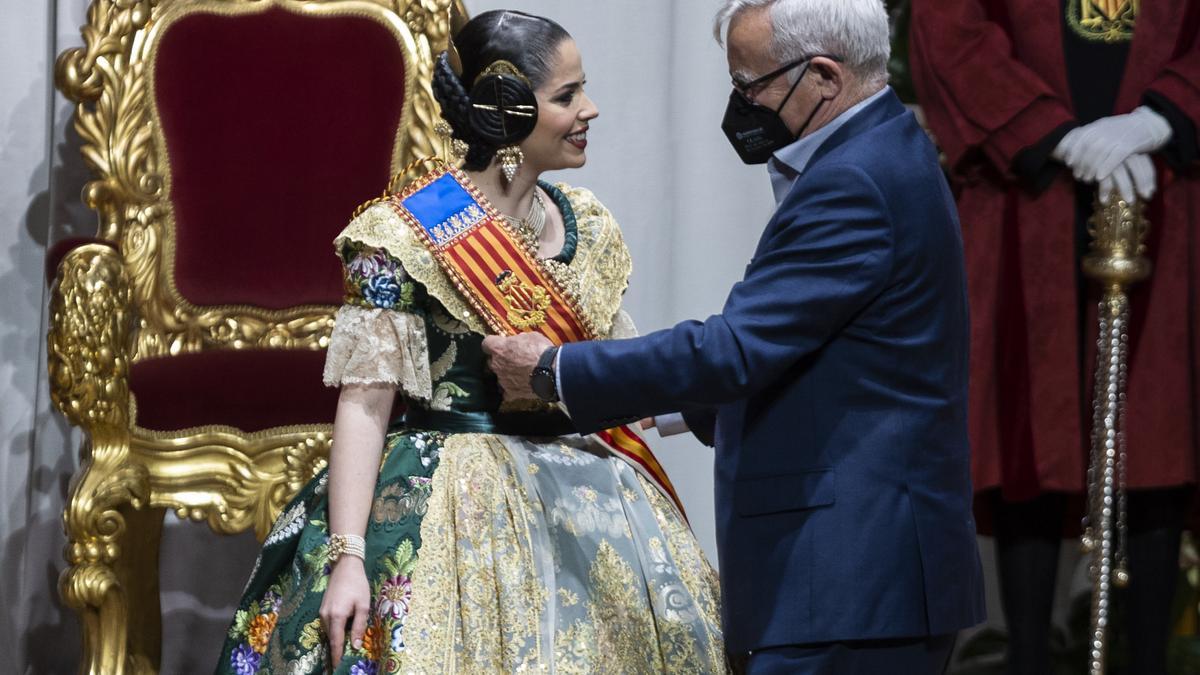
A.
x: 528, y: 42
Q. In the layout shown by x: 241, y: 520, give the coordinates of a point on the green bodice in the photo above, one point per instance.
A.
x: 465, y: 394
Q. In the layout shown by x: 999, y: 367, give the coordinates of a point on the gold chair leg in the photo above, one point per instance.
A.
x: 104, y: 557
x: 137, y: 570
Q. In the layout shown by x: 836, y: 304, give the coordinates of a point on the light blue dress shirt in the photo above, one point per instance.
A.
x: 787, y: 164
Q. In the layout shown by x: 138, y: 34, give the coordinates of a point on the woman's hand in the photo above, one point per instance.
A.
x: 347, y: 601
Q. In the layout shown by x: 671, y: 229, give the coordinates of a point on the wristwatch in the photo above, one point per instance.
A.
x: 543, y: 380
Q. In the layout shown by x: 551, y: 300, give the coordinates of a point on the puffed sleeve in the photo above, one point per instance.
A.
x: 379, y: 334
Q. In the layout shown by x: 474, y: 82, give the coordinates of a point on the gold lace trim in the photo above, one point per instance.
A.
x: 694, y: 570
x: 481, y: 594
x: 596, y: 278
x: 599, y: 274
x: 474, y: 541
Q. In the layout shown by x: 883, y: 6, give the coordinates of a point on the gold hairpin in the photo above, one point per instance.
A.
x: 516, y: 110
x: 503, y: 67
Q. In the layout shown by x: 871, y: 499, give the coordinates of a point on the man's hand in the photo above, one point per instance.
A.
x: 513, y: 360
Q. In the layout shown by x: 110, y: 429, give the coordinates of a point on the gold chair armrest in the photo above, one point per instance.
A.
x: 91, y: 321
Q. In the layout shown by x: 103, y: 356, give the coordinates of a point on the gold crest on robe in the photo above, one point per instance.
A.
x: 1104, y: 20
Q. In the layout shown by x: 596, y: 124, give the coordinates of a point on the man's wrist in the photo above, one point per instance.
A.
x: 543, y: 380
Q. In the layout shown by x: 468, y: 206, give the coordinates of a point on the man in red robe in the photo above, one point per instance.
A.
x: 1037, y: 104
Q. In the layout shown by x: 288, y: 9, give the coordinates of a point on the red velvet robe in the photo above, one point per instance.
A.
x: 992, y: 80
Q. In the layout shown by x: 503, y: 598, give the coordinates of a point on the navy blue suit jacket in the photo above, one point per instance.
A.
x: 837, y: 372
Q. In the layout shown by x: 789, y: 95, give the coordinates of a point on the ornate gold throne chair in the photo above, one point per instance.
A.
x: 230, y: 141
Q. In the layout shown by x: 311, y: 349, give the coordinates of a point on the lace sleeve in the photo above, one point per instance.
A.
x: 622, y: 326
x: 377, y: 339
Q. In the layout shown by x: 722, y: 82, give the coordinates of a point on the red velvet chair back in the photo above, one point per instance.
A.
x: 276, y: 125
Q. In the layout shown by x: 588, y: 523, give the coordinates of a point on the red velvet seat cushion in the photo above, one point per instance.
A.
x: 250, y: 390
x: 277, y: 125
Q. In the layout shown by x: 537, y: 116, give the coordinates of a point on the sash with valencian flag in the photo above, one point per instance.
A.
x: 505, y: 285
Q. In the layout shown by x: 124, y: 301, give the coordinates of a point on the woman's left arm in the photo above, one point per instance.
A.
x: 358, y: 436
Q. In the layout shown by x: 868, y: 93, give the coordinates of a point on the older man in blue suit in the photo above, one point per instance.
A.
x: 834, y: 380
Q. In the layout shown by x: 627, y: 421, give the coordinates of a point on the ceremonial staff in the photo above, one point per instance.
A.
x: 1116, y: 261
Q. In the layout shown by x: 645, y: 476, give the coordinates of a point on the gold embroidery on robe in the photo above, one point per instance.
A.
x: 1103, y: 20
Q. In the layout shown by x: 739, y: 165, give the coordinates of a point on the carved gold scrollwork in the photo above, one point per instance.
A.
x: 117, y: 304
x: 107, y: 34
x: 429, y: 22
x: 90, y: 322
x: 88, y: 361
x: 232, y: 480
x: 110, y: 79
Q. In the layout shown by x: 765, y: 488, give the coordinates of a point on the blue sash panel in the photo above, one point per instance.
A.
x: 445, y: 209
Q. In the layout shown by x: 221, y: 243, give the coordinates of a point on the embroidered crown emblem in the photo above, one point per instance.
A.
x: 526, y: 304
x: 1104, y: 20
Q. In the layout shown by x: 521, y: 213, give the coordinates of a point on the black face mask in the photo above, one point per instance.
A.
x: 757, y: 132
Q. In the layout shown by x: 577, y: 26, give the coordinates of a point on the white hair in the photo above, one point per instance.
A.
x: 854, y: 30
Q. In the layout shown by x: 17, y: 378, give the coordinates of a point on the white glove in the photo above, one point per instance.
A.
x: 1135, y: 177
x: 1096, y: 150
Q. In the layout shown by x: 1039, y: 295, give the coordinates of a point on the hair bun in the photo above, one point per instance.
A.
x: 504, y: 108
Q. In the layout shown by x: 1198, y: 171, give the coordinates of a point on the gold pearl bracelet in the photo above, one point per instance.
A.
x: 346, y: 544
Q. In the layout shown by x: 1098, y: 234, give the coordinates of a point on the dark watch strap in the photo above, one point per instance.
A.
x: 543, y: 380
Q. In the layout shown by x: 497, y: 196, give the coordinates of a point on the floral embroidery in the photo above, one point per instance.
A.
x: 366, y: 265
x: 375, y: 279
x: 397, y: 504
x: 398, y: 637
x: 253, y: 626
x: 260, y: 631
x: 372, y: 645
x: 245, y: 660
x: 444, y: 394
x: 310, y: 635
x: 586, y: 514
x: 381, y: 291
x: 287, y: 525
x: 428, y: 446
x: 564, y: 456
x: 316, y: 561
x: 395, y: 596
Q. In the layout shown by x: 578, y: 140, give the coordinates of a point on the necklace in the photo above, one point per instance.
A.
x: 531, y: 226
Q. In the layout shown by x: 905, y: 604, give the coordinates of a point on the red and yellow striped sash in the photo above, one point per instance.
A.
x: 504, y: 283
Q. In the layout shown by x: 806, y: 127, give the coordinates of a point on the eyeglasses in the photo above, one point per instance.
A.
x: 753, y: 87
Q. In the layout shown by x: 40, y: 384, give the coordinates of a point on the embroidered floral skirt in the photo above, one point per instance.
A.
x: 491, y: 554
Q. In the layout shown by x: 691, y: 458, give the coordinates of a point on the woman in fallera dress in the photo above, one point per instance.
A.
x: 467, y: 536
